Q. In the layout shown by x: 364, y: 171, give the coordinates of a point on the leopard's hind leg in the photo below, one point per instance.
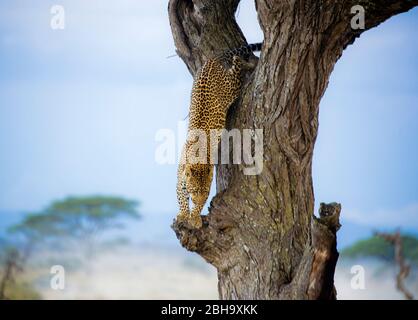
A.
x: 195, y: 219
x: 182, y: 195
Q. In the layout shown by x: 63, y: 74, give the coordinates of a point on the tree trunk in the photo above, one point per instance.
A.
x: 11, y: 267
x: 260, y: 232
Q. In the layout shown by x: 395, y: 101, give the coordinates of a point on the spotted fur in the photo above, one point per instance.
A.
x: 214, y: 90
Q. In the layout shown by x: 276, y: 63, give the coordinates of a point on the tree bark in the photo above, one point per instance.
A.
x: 260, y: 232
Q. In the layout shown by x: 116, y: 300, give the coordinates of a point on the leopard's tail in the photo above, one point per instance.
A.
x: 243, y: 51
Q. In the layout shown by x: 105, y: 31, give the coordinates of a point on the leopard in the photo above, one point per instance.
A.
x: 216, y: 87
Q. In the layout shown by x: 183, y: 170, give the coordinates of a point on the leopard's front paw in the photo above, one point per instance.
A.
x: 195, y: 222
x: 182, y: 217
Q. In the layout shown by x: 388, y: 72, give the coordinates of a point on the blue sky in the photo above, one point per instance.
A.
x: 80, y: 108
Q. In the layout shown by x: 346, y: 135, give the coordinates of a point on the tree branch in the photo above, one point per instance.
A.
x: 314, y: 278
x: 211, y: 241
x: 202, y: 28
x: 376, y: 12
x: 396, y: 240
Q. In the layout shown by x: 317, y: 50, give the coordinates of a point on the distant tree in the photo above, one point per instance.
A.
x: 12, y: 265
x: 395, y: 240
x: 74, y: 218
x: 378, y: 247
x: 36, y: 228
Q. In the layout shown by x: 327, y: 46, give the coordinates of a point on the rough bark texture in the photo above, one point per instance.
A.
x: 260, y: 232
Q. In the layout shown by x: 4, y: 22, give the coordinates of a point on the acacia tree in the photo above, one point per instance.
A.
x: 260, y: 232
x: 80, y: 220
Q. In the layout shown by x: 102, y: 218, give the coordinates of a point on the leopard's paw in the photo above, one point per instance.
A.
x: 195, y: 222
x: 182, y: 217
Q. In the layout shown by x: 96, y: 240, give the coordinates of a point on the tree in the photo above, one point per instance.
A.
x: 390, y: 248
x: 260, y: 232
x: 395, y: 239
x: 11, y: 267
x: 377, y: 247
x: 35, y: 229
x: 75, y: 218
